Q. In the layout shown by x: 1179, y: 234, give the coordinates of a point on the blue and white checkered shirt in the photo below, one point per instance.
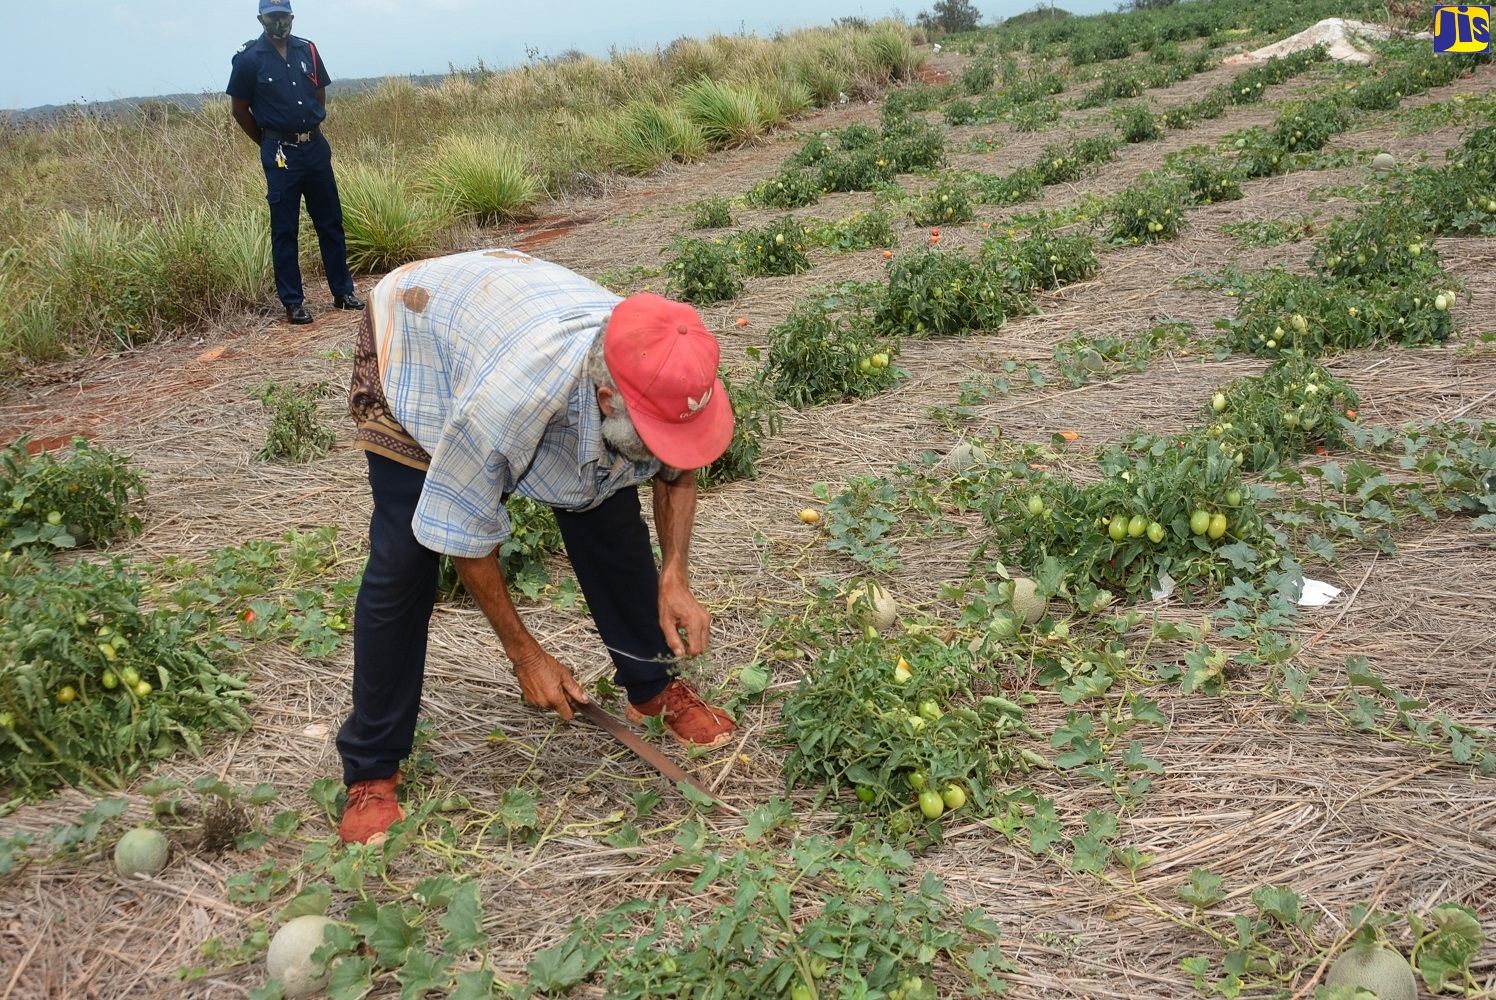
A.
x: 482, y: 357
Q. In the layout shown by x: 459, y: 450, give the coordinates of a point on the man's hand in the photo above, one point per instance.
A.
x: 545, y: 683
x: 679, y: 610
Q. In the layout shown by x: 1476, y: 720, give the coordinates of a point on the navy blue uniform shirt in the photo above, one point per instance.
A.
x: 282, y: 93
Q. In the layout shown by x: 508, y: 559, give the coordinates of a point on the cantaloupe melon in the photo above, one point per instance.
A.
x: 1027, y: 603
x: 873, y: 605
x: 966, y: 456
x: 289, y: 959
x: 142, y: 851
x: 1383, y: 161
x: 1381, y: 971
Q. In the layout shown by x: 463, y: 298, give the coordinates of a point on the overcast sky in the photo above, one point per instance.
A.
x: 92, y: 50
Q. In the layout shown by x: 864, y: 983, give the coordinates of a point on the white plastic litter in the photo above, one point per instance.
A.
x: 1165, y: 587
x: 1317, y: 593
x: 1336, y: 34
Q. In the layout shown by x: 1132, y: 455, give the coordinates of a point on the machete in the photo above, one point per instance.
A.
x: 623, y: 734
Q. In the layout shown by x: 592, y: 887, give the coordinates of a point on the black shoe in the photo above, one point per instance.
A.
x: 298, y: 315
x: 349, y: 301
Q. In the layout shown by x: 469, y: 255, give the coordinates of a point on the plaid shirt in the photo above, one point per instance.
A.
x: 482, y: 357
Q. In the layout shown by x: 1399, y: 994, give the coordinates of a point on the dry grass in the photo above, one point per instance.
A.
x: 1256, y: 797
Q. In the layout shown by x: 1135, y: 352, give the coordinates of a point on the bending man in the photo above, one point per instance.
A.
x: 490, y: 373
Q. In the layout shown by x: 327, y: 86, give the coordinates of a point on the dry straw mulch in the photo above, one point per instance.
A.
x: 1249, y: 793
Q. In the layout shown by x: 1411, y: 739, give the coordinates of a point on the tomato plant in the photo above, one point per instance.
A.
x: 775, y: 249
x: 947, y: 203
x: 63, y: 631
x: 1287, y: 411
x: 74, y: 496
x: 815, y: 356
x: 1043, y: 258
x: 792, y: 188
x: 1150, y: 209
x: 941, y: 293
x: 703, y: 271
x: 1098, y: 535
x: 851, y: 726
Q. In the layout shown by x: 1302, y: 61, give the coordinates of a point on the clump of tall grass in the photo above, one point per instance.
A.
x: 124, y: 228
x: 727, y: 115
x: 482, y: 177
x: 646, y: 135
x: 387, y: 224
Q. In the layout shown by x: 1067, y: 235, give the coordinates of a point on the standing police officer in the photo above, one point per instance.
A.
x: 279, y: 90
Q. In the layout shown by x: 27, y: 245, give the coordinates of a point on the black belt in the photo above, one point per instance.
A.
x: 293, y: 137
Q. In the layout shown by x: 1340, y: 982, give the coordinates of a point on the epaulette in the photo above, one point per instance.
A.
x: 247, y: 44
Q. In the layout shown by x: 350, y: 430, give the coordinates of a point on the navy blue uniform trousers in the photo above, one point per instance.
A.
x: 307, y: 174
x: 609, y: 550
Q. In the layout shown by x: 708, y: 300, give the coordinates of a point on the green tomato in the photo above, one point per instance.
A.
x: 130, y: 676
x: 1217, y: 527
x: 865, y: 365
x: 818, y: 966
x: 109, y: 680
x: 929, y: 710
x: 1233, y: 498
x: 1036, y: 505
x: 143, y: 688
x: 1155, y: 532
x: 917, y: 780
x: 864, y: 794
x: 1200, y: 521
x: 800, y: 992
x: 1118, y: 528
x: 931, y: 804
x: 1218, y: 402
x: 954, y: 796
x: 1137, y: 526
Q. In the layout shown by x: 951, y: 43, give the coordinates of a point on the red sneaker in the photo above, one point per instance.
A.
x: 372, y: 806
x: 686, y: 715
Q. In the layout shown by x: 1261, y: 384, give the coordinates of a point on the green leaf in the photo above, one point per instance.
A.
x: 768, y: 817
x: 314, y: 899
x: 463, y: 921
x: 1090, y: 854
x: 1444, y: 953
x: 393, y: 939
x: 754, y: 678
x: 563, y: 966
x: 696, y: 797
x: 1203, y: 890
x: 352, y: 978
x: 422, y: 973
x: 272, y: 990
x: 1281, y: 903
x: 1135, y: 760
x: 644, y: 802
x: 262, y: 794
x: 517, y: 810
x: 476, y: 985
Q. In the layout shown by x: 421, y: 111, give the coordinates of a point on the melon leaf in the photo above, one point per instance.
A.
x: 1444, y: 953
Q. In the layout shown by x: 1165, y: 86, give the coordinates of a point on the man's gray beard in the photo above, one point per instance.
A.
x: 623, y: 437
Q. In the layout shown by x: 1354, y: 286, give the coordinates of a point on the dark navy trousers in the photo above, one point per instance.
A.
x: 307, y: 174
x: 610, y: 552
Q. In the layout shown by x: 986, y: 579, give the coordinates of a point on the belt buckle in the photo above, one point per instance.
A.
x: 303, y: 137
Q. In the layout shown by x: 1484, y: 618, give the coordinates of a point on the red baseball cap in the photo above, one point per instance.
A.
x: 664, y: 363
